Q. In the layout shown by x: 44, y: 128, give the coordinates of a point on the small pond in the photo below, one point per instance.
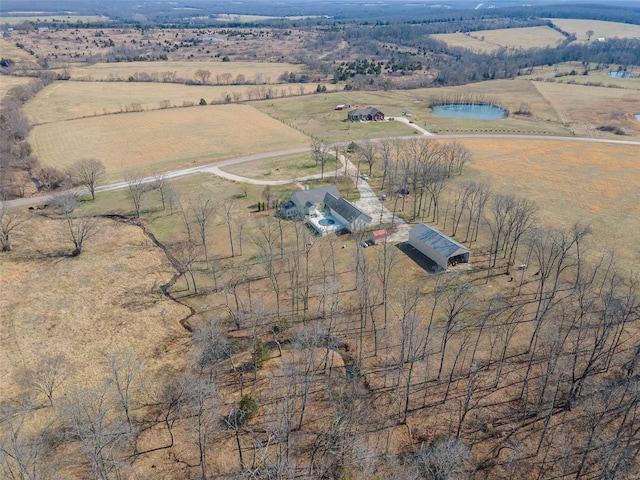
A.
x: 638, y: 117
x: 468, y: 110
x: 325, y: 222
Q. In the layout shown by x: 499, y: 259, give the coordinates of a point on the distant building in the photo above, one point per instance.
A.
x: 369, y: 114
x: 438, y: 247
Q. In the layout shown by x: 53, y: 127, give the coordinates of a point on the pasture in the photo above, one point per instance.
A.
x: 491, y: 40
x: 107, y: 300
x: 599, y: 28
x: 34, y: 17
x: 8, y: 82
x: 8, y: 49
x: 70, y: 99
x: 147, y: 142
x: 572, y: 73
x: 257, y: 72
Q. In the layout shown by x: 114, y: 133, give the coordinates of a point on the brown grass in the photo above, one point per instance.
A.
x: 7, y: 83
x: 69, y: 100
x: 491, y: 40
x: 8, y: 49
x: 599, y: 28
x: 163, y: 140
x: 105, y: 300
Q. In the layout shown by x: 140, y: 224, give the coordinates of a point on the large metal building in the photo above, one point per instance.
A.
x: 437, y: 246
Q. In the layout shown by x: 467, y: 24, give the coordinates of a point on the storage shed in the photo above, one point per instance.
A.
x: 437, y: 246
x: 378, y: 236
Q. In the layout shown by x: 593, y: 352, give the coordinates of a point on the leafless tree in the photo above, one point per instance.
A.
x: 203, y: 209
x: 229, y: 212
x: 49, y: 373
x: 79, y: 228
x: 9, y: 221
x: 164, y: 189
x: 368, y: 151
x: 444, y: 459
x: 88, y: 172
x: 136, y: 189
x: 202, y: 76
x: 125, y: 369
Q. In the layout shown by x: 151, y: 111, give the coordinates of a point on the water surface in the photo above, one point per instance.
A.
x: 469, y: 111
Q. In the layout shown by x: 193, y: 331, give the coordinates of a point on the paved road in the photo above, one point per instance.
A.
x: 215, y: 167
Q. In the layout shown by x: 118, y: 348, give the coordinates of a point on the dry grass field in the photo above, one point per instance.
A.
x: 7, y: 83
x: 583, y: 108
x: 156, y: 141
x: 281, y: 168
x: 8, y: 49
x: 53, y: 18
x: 562, y: 73
x: 107, y: 300
x: 599, y: 28
x: 70, y: 100
x: 260, y: 72
x: 491, y: 40
x: 592, y: 183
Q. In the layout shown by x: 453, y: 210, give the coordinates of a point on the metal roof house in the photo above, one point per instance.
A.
x: 437, y: 246
x: 347, y: 213
x: 365, y: 114
x: 306, y: 201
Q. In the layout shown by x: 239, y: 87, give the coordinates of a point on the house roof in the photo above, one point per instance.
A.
x: 345, y: 209
x: 379, y: 234
x: 437, y: 240
x: 364, y: 111
x: 313, y: 196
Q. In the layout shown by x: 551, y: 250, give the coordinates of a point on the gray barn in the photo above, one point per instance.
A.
x: 437, y: 246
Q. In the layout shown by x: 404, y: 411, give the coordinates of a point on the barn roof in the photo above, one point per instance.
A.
x: 342, y: 207
x: 437, y: 240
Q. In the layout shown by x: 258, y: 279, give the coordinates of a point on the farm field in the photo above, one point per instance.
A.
x: 53, y: 18
x: 7, y: 83
x: 67, y: 100
x: 599, y: 28
x: 150, y: 142
x: 593, y: 183
x: 583, y: 108
x: 491, y: 40
x: 8, y: 49
x: 105, y: 301
x: 257, y: 72
x: 562, y: 73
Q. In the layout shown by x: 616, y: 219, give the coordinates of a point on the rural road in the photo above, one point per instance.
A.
x: 215, y: 167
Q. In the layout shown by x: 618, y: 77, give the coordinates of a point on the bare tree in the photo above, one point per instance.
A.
x: 9, y: 221
x: 368, y: 151
x: 136, y: 190
x: 229, y: 211
x: 444, y: 459
x: 202, y: 76
x: 47, y: 375
x: 88, y: 172
x: 203, y: 211
x: 79, y: 228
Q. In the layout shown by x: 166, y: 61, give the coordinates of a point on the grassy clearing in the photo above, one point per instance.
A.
x: 258, y: 72
x: 282, y: 168
x: 7, y: 83
x: 596, y: 184
x: 491, y: 40
x: 561, y: 73
x: 8, y: 49
x: 149, y: 142
x: 106, y: 300
x: 583, y: 109
x: 599, y: 28
x: 70, y: 100
x: 54, y: 19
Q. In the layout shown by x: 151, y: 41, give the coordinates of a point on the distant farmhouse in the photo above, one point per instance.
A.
x: 325, y: 210
x: 369, y: 114
x: 438, y: 247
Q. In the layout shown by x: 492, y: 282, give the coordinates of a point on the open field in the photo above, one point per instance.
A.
x: 282, y: 168
x: 8, y: 49
x: 596, y: 184
x: 147, y: 142
x: 53, y: 19
x: 491, y: 40
x: 568, y: 109
x: 69, y: 100
x: 572, y: 73
x: 583, y: 109
x: 7, y: 83
x: 258, y: 72
x: 107, y: 300
x: 599, y: 28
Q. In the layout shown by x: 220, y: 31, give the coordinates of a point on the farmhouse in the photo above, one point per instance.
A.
x: 369, y: 114
x: 437, y: 246
x: 306, y: 202
x: 346, y: 213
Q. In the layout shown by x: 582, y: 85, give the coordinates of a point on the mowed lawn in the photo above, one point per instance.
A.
x: 150, y: 142
x: 599, y: 28
x: 259, y: 72
x: 70, y: 99
x: 490, y: 40
x: 597, y: 184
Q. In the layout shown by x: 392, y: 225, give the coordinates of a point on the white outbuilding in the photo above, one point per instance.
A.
x: 438, y: 247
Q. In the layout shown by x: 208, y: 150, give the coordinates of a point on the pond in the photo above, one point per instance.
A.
x: 638, y: 117
x: 468, y: 110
